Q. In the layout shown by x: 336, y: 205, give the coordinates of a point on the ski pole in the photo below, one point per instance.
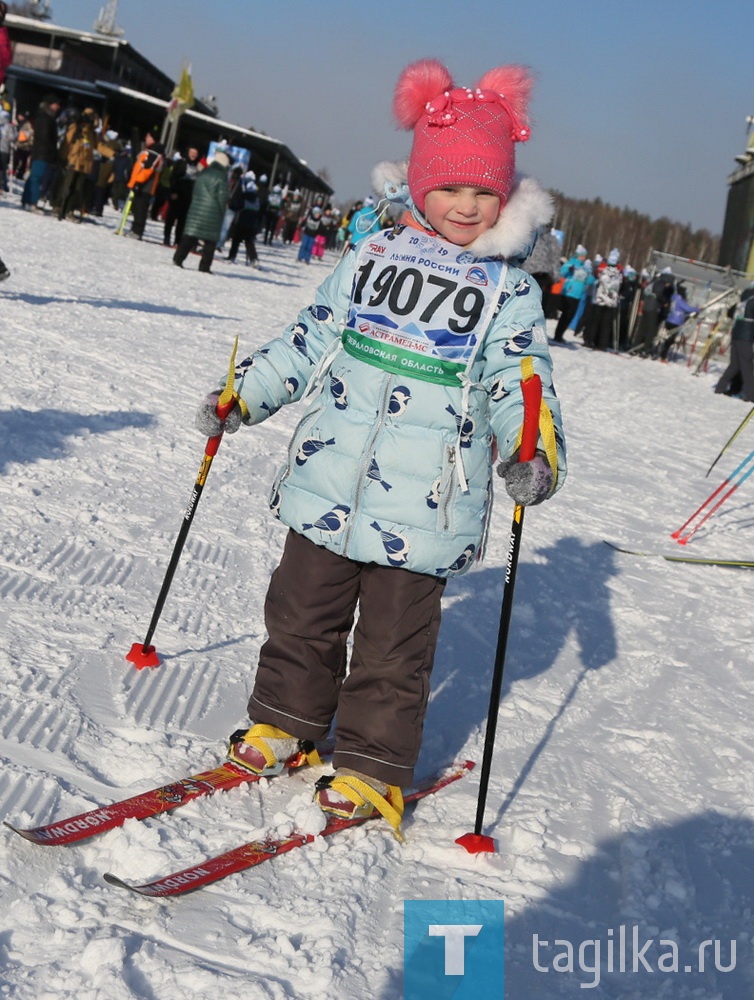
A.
x: 681, y: 535
x: 142, y: 654
x: 731, y: 439
x: 685, y: 539
x: 125, y: 213
x: 477, y: 842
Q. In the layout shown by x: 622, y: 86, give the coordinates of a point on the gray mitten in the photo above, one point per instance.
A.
x: 208, y: 422
x: 528, y: 483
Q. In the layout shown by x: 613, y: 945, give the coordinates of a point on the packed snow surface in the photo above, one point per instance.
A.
x: 622, y: 780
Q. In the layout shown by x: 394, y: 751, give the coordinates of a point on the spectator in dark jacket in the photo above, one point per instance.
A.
x: 205, y: 216
x: 123, y: 163
x: 655, y: 303
x: 182, y: 179
x: 246, y: 224
x: 44, y: 153
x: 741, y: 367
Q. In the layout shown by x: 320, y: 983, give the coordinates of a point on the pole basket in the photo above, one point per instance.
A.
x: 143, y: 656
x: 477, y: 843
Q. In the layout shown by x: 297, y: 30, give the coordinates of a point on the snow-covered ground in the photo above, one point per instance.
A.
x: 621, y: 789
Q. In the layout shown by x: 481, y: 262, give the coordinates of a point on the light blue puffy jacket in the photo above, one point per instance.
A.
x: 392, y: 469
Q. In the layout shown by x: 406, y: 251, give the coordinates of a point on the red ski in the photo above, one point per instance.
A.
x: 255, y: 853
x: 151, y: 803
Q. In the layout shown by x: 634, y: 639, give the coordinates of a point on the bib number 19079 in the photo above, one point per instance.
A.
x: 405, y: 289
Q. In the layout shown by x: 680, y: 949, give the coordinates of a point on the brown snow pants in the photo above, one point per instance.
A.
x: 301, y: 682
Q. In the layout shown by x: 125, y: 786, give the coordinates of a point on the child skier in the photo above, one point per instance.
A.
x: 415, y: 344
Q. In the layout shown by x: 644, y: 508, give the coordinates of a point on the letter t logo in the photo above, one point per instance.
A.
x: 454, y: 935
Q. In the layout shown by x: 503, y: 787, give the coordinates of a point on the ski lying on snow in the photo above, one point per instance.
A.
x: 258, y: 851
x: 151, y: 803
x: 732, y: 563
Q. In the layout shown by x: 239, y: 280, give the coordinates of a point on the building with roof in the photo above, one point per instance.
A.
x: 105, y: 72
x: 737, y: 241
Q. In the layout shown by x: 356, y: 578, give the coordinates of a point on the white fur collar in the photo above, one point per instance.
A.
x: 528, y: 208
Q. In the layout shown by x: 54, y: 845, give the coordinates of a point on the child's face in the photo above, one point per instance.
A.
x: 461, y: 213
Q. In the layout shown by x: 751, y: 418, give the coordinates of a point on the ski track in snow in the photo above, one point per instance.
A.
x: 621, y: 788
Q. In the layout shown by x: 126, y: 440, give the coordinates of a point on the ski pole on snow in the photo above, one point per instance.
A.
x: 142, y: 654
x: 681, y: 535
x: 125, y: 213
x: 477, y: 842
x: 731, y: 439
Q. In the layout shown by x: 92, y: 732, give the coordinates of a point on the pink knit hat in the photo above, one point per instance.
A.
x: 461, y: 135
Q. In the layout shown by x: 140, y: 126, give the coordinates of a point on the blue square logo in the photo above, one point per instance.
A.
x: 453, y: 949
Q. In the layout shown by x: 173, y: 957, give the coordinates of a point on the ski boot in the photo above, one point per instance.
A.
x: 352, y: 795
x: 267, y: 750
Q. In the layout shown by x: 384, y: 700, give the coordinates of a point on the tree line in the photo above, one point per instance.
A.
x: 600, y: 227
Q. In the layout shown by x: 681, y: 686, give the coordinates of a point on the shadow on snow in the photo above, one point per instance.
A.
x: 662, y: 913
x: 27, y: 436
x: 564, y: 593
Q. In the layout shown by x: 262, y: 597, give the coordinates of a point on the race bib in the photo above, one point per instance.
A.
x: 419, y: 306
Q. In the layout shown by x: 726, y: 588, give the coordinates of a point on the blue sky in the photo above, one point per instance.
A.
x: 642, y: 104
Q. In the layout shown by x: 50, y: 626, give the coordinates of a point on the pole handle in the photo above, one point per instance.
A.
x: 225, y: 403
x: 531, y: 389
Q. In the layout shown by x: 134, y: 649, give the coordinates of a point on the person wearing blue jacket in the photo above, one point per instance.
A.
x: 364, y: 221
x: 578, y: 279
x: 678, y: 313
x: 414, y: 351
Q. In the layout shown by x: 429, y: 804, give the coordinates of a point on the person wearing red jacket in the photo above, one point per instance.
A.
x: 6, y: 52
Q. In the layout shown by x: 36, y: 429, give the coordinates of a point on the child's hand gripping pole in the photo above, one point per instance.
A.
x: 142, y: 654
x: 477, y: 842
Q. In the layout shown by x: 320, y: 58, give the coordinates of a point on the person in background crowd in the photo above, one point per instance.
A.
x: 601, y: 330
x: 543, y: 263
x: 272, y: 212
x: 44, y: 154
x: 182, y: 177
x: 320, y: 240
x: 628, y: 291
x: 123, y: 163
x: 364, y: 221
x: 159, y: 203
x: 205, y: 216
x: 741, y: 367
x: 578, y: 278
x: 678, y: 313
x: 143, y: 182
x: 310, y: 228
x: 6, y: 51
x: 24, y: 144
x: 235, y: 201
x: 8, y: 136
x: 107, y: 149
x: 655, y: 303
x: 332, y: 230
x: 77, y: 149
x: 246, y: 225
x: 292, y: 208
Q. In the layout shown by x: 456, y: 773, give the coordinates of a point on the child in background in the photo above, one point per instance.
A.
x: 415, y: 342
